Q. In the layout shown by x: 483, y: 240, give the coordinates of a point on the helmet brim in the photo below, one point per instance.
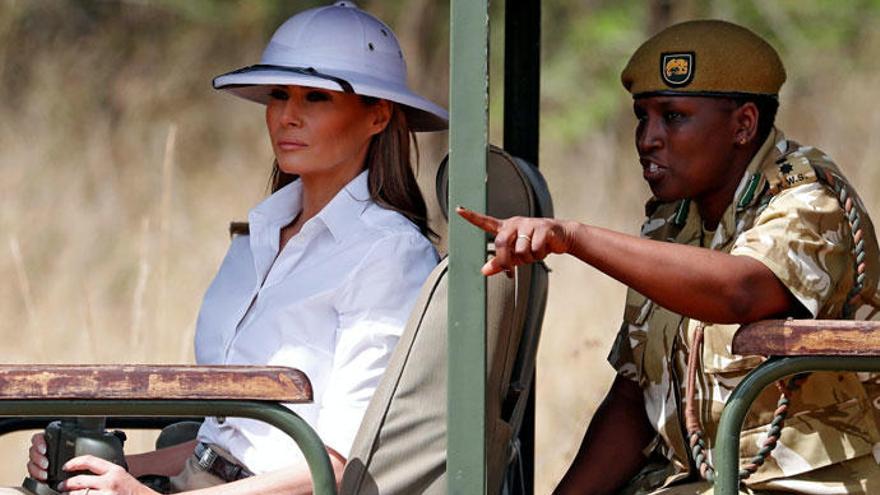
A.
x: 250, y: 83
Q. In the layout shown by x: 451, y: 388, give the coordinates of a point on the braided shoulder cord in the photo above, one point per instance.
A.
x: 695, y: 430
x: 692, y: 419
x: 855, y: 224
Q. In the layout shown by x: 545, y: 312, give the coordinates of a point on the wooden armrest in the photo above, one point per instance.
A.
x: 808, y: 338
x: 266, y: 383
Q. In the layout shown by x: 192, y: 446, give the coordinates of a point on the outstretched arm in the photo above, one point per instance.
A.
x: 695, y: 282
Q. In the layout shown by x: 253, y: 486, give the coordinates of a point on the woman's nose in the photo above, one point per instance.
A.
x: 649, y: 135
x: 291, y: 114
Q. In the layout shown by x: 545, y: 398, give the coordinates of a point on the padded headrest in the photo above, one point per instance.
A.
x: 515, y: 187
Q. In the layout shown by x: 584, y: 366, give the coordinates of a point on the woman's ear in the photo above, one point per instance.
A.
x: 746, y: 120
x: 381, y: 116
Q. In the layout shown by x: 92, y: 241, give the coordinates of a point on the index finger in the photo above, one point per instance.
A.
x: 485, y: 222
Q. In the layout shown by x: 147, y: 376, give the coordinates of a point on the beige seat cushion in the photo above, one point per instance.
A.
x: 401, y: 445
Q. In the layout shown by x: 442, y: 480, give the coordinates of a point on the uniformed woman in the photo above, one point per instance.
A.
x: 743, y: 225
x: 325, y: 278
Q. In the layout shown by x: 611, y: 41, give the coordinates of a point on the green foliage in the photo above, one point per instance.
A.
x: 587, y: 44
x: 585, y: 50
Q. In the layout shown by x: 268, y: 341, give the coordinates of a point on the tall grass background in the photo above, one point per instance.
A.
x: 120, y: 168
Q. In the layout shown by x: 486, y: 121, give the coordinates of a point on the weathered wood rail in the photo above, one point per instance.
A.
x: 808, y: 338
x: 275, y: 384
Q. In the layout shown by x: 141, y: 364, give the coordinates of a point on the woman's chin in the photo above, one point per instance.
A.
x: 292, y: 168
x: 665, y: 194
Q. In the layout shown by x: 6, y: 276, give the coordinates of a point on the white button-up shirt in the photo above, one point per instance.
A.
x: 333, y: 304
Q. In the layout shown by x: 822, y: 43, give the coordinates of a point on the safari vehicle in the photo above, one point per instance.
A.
x: 793, y: 347
x: 479, y: 437
x: 400, y: 448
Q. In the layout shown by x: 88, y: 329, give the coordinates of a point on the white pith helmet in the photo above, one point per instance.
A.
x: 340, y: 48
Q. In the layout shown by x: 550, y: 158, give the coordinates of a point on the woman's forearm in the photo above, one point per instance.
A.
x: 166, y: 462
x: 697, y: 282
x: 295, y: 480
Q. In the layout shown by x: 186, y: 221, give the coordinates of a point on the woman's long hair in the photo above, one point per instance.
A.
x: 392, y: 181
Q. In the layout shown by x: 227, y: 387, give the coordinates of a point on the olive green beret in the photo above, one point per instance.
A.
x: 708, y: 58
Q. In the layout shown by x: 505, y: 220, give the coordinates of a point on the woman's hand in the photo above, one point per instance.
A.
x: 521, y: 240
x: 38, y: 463
x: 108, y: 478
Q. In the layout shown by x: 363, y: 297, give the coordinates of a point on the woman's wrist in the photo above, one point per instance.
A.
x: 571, y: 231
x: 138, y: 464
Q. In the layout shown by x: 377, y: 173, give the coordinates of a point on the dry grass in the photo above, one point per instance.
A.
x: 121, y: 170
x: 115, y: 198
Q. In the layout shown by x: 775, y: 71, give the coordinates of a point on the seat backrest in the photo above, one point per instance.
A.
x: 401, y: 445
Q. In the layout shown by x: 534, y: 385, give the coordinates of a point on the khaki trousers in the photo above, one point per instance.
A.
x: 855, y: 476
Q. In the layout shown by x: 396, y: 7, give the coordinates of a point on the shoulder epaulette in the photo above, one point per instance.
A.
x: 807, y: 164
x: 239, y: 228
x: 793, y: 169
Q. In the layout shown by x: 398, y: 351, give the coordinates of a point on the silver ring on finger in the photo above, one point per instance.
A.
x: 527, y: 237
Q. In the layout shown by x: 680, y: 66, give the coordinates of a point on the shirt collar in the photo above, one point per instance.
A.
x: 279, y: 209
x: 338, y: 215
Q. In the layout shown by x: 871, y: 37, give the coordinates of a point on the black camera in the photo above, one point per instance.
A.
x: 69, y: 438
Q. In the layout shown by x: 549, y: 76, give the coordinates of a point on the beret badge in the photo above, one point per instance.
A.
x: 677, y: 69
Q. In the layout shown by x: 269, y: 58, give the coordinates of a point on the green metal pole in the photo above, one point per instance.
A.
x: 323, y: 480
x: 468, y: 146
x: 734, y: 413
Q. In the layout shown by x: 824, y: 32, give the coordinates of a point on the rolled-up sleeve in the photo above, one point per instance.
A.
x: 803, y: 238
x: 373, y: 309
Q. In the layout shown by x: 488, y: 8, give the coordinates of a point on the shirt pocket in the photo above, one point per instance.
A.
x: 718, y: 358
x: 311, y: 321
x: 722, y: 371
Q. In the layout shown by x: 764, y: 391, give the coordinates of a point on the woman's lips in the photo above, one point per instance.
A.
x: 651, y: 171
x: 291, y: 145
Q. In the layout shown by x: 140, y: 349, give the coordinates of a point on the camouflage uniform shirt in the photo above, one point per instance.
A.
x: 787, y: 220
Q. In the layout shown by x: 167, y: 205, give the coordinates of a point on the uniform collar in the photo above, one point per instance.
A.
x: 339, y: 215
x: 749, y: 192
x: 753, y: 182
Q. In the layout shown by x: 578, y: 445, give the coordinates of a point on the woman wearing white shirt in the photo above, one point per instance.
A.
x: 332, y: 264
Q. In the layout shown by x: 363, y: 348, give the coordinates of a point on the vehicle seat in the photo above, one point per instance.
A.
x: 401, y: 445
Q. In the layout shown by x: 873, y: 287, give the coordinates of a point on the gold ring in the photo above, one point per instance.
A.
x: 524, y: 236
